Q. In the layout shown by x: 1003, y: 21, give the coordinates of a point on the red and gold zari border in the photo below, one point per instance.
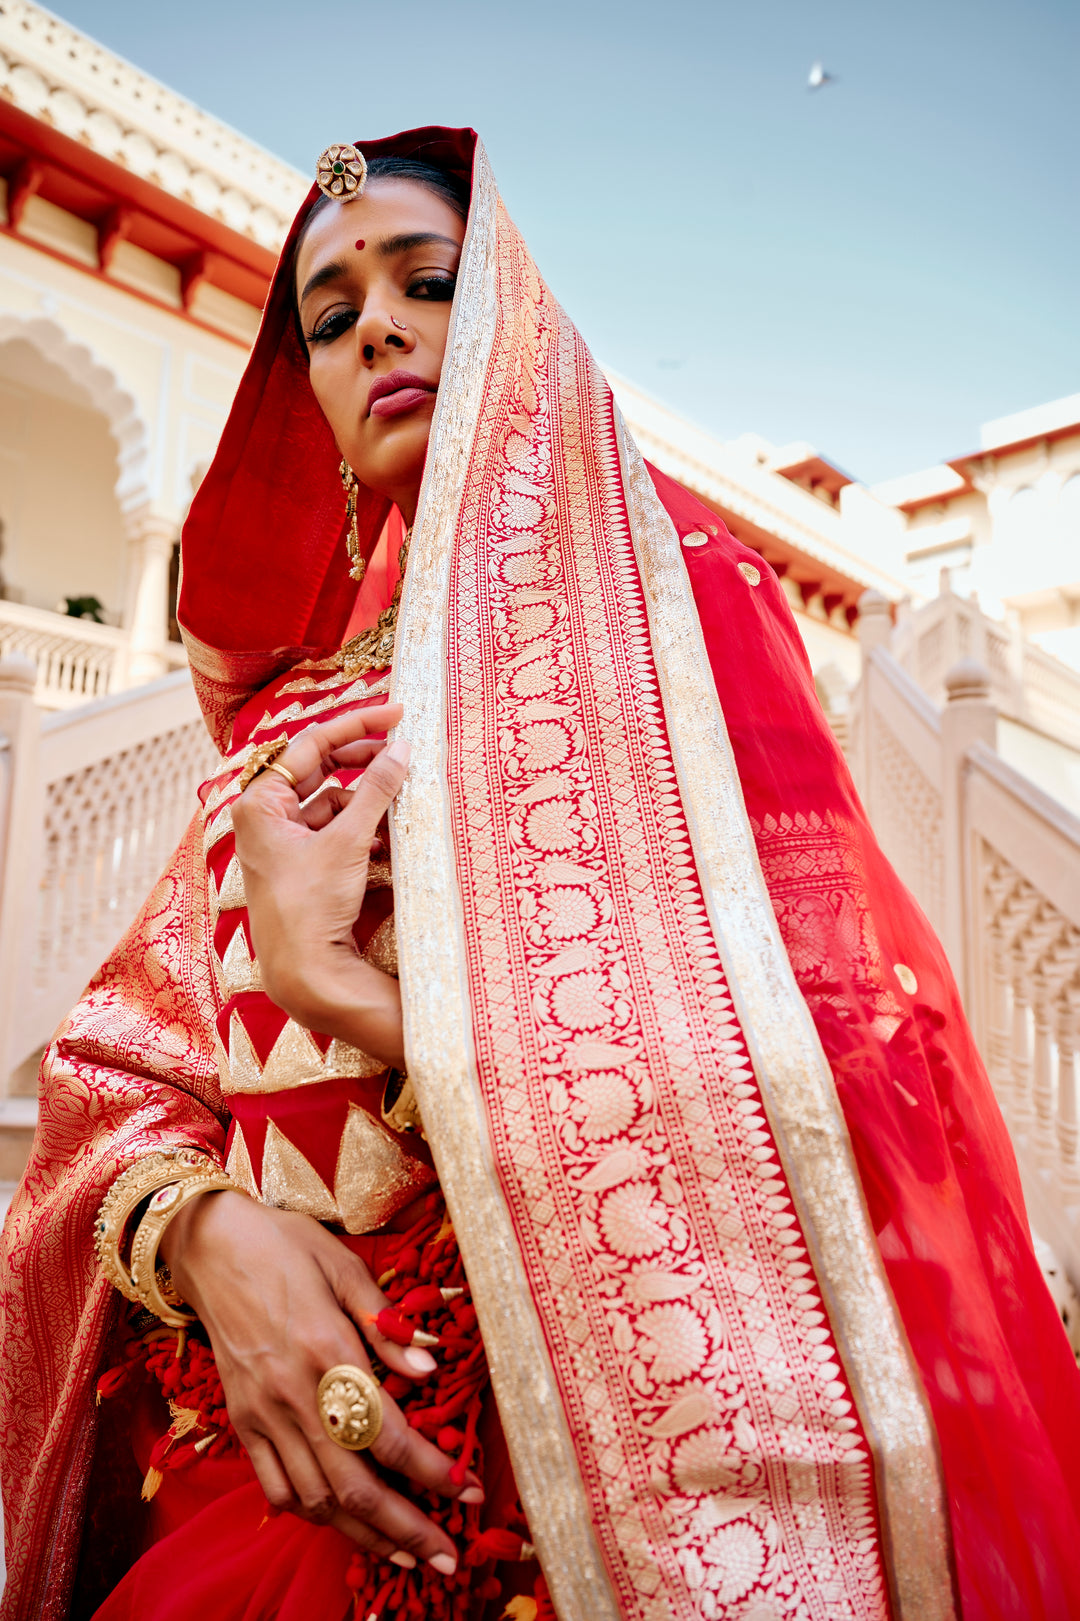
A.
x: 686, y: 1436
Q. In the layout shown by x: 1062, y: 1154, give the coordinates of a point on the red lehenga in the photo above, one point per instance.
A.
x: 738, y: 1212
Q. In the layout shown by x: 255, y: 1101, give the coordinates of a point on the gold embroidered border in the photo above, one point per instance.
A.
x: 794, y: 1076
x: 437, y: 1026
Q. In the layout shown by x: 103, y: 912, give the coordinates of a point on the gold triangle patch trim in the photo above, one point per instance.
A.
x: 239, y: 972
x: 341, y: 1059
x: 245, y: 1071
x: 374, y: 1177
x: 294, y: 1061
x: 291, y: 1182
x: 238, y: 1166
x: 231, y: 896
x: 381, y: 950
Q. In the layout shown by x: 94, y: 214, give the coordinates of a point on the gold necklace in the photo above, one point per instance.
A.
x: 374, y: 649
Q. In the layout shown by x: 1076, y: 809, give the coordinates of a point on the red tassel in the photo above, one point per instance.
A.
x: 457, y: 1473
x: 545, y: 1610
x: 392, y: 1326
x: 425, y: 1297
x: 114, y: 1380
x: 495, y: 1543
x: 160, y: 1449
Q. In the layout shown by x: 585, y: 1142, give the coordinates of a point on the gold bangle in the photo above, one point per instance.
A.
x: 165, y: 1204
x: 129, y: 1190
x: 350, y: 1407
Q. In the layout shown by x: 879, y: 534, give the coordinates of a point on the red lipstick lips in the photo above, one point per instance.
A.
x: 398, y: 392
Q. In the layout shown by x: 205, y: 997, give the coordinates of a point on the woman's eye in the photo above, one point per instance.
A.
x: 332, y: 326
x: 436, y: 287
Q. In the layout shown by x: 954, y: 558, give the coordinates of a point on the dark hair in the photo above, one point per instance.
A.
x: 454, y: 192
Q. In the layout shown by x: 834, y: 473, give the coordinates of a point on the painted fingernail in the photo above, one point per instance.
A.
x: 420, y: 1338
x: 405, y: 1560
x: 444, y: 1563
x: 399, y: 751
x: 472, y: 1494
x: 419, y: 1361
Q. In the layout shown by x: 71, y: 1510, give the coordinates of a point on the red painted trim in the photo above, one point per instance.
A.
x: 123, y: 287
x: 24, y: 182
x: 1067, y: 430
x: 91, y: 187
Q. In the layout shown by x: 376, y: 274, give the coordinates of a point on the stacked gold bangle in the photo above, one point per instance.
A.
x: 170, y: 1180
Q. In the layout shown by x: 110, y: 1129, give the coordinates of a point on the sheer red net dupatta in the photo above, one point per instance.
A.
x: 936, y: 1164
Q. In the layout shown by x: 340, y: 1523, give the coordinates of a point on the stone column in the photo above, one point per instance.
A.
x: 21, y: 816
x: 874, y: 628
x: 151, y: 540
x: 969, y: 717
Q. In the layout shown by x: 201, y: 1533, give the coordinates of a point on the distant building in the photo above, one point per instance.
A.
x: 1005, y: 522
x: 137, y: 238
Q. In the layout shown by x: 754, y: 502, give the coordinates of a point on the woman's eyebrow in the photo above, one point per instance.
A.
x: 334, y: 271
x: 389, y: 245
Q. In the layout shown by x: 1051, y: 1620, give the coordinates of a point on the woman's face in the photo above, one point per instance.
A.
x: 374, y: 281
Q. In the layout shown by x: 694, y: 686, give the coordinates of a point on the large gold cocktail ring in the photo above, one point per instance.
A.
x: 261, y: 758
x: 350, y: 1407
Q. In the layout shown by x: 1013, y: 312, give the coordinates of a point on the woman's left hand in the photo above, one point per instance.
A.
x: 305, y: 874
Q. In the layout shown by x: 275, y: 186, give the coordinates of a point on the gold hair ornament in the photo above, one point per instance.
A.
x: 351, y: 485
x: 341, y: 173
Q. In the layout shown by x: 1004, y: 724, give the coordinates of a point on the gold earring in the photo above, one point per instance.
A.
x: 351, y: 485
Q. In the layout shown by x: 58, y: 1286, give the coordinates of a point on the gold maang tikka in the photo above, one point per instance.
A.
x: 341, y: 173
x: 351, y: 485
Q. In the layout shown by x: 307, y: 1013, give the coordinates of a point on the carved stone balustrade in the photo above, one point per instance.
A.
x: 995, y: 864
x: 92, y: 802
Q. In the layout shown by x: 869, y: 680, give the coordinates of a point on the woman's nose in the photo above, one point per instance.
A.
x: 381, y: 331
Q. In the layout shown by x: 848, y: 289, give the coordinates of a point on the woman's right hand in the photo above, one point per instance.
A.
x: 305, y: 864
x: 282, y: 1299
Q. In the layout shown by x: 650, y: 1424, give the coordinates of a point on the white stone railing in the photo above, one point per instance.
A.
x: 1027, y: 684
x: 995, y: 864
x: 92, y: 802
x: 76, y: 659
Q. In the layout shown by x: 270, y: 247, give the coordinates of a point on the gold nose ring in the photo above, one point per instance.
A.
x: 399, y: 324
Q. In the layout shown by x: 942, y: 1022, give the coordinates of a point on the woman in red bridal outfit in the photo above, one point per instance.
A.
x: 549, y: 1170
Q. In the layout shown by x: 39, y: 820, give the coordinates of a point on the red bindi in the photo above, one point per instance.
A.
x: 360, y: 244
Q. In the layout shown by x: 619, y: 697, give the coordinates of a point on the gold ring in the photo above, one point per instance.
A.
x: 261, y: 758
x: 283, y: 771
x: 350, y: 1407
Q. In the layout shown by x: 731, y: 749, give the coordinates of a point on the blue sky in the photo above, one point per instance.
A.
x: 877, y: 267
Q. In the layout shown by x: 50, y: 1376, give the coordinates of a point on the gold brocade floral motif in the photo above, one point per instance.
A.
x: 131, y: 1070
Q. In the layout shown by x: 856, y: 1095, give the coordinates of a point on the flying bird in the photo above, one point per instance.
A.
x: 819, y: 78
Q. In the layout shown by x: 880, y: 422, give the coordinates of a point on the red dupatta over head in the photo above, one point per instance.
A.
x: 265, y: 577
x: 738, y: 1209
